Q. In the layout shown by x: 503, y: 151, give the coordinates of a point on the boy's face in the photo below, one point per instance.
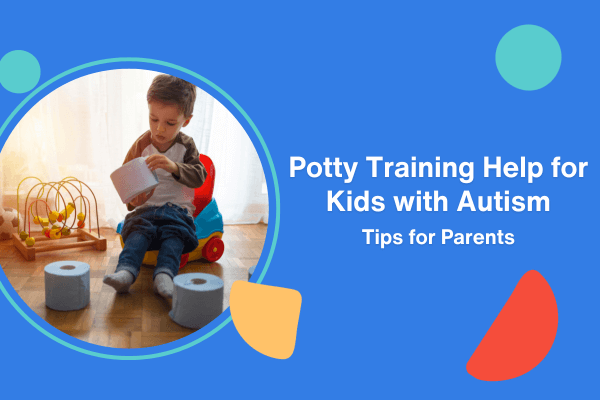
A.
x: 165, y: 122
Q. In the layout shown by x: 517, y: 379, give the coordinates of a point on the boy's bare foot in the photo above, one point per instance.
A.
x: 121, y: 281
x: 163, y: 285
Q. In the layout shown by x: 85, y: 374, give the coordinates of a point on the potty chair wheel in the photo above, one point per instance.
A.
x: 213, y: 249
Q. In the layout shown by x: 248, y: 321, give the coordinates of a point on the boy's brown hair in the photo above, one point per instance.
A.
x: 171, y: 90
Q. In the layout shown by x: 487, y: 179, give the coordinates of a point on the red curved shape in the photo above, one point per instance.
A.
x: 203, y: 195
x: 184, y: 260
x: 522, y: 334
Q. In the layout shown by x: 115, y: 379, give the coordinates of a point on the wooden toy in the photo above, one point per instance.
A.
x: 57, y: 226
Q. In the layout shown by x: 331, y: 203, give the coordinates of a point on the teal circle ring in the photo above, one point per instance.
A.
x: 271, y: 165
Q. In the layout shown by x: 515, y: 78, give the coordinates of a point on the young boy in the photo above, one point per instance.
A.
x: 162, y: 219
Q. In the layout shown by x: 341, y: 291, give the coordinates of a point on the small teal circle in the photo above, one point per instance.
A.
x: 528, y: 57
x: 19, y: 71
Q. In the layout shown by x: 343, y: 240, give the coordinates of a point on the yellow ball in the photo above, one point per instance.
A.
x: 36, y: 220
x: 53, y: 216
x: 81, y: 216
x: 66, y: 231
x: 23, y: 235
x: 30, y: 241
x: 55, y: 234
x: 44, y: 230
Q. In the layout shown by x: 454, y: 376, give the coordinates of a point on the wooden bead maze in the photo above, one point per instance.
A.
x: 56, y: 232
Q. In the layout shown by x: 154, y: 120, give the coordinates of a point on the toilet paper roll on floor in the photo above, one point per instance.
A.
x: 133, y: 179
x: 67, y: 285
x: 251, y: 272
x: 197, y: 299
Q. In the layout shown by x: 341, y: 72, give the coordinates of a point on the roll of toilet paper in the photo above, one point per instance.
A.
x: 133, y: 179
x: 251, y: 272
x: 67, y: 285
x: 197, y: 299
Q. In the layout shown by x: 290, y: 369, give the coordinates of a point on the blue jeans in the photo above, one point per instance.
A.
x: 168, y: 229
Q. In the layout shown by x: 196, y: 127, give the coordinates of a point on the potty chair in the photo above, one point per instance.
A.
x: 208, y: 221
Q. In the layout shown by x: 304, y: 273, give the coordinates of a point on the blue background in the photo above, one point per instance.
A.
x: 351, y: 80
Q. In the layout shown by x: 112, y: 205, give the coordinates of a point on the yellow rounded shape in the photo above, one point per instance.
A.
x: 266, y: 317
x: 23, y: 235
x: 30, y: 241
x: 81, y: 216
x: 53, y: 216
x: 55, y: 234
x: 36, y: 220
x: 44, y: 230
x: 66, y: 231
x: 66, y: 213
x: 214, y: 249
x: 44, y: 221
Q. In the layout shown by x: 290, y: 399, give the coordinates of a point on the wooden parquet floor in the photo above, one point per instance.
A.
x: 139, y: 318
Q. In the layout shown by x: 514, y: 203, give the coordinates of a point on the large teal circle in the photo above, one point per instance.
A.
x: 275, y: 184
x: 528, y: 57
x: 19, y: 71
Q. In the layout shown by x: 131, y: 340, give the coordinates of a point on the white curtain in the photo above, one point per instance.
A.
x: 85, y: 128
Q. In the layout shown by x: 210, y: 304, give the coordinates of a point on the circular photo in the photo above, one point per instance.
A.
x: 130, y: 201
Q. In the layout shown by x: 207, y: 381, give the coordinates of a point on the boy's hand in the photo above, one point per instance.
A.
x: 156, y: 161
